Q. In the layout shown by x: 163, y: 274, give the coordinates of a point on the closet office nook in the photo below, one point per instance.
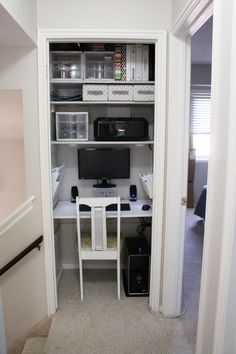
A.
x: 103, y: 134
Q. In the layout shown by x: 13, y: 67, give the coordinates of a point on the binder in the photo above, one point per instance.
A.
x: 128, y: 62
x: 132, y: 62
x: 145, y: 63
x: 138, y: 62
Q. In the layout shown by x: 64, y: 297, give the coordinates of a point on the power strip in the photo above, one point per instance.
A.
x: 104, y: 192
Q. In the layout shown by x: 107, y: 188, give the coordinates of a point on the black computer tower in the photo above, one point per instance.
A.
x: 136, y: 266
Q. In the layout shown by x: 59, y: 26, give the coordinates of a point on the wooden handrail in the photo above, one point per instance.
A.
x: 35, y: 244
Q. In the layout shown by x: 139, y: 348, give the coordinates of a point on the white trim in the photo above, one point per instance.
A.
x: 159, y: 173
x: 45, y: 159
x: 228, y: 248
x: 194, y: 15
x: 224, y: 83
x: 101, y: 35
x: 16, y: 216
x: 177, y: 153
x: 176, y: 175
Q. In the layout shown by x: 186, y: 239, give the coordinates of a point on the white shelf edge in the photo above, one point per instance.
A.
x: 102, y: 102
x: 145, y: 142
x: 99, y: 81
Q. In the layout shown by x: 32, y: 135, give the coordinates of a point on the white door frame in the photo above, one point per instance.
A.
x: 216, y: 320
x: 191, y: 19
x: 44, y: 37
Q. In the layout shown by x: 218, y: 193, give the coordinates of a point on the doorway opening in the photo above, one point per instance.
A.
x: 199, y: 150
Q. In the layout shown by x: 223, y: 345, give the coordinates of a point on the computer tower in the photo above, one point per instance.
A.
x: 136, y: 266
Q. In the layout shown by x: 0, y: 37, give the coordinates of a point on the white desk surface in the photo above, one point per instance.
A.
x: 67, y: 210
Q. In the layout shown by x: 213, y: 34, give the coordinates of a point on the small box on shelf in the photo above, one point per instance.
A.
x: 144, y: 93
x: 95, y: 92
x: 66, y: 65
x: 120, y: 92
x: 71, y: 126
x: 99, y: 65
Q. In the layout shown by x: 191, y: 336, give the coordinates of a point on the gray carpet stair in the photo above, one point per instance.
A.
x: 35, y: 345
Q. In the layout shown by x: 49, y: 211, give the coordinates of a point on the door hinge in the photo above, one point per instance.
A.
x: 184, y: 201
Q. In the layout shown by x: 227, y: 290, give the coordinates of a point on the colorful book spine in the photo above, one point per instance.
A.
x: 118, y: 62
x: 123, y: 62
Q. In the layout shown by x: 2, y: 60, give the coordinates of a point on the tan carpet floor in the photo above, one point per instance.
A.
x: 103, y: 325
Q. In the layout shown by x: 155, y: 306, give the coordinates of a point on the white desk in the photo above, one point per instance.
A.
x: 67, y: 210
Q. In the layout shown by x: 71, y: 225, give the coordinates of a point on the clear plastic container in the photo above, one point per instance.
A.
x: 99, y: 65
x: 66, y: 65
x: 72, y: 126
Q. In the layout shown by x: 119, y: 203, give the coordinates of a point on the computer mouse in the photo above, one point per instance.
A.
x: 146, y: 207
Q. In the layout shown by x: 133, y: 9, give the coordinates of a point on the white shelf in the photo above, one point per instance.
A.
x: 137, y: 143
x: 82, y: 103
x: 67, y: 210
x: 98, y: 81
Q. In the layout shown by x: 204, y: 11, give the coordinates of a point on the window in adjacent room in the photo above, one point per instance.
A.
x: 200, y: 114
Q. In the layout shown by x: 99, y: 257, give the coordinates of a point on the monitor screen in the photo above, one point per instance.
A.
x: 104, y: 163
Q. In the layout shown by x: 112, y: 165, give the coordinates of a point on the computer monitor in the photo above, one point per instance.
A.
x: 104, y: 164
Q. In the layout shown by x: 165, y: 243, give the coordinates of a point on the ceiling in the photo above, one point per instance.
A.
x: 201, y: 44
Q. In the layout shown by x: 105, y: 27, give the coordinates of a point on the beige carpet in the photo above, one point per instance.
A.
x: 103, y: 325
x: 35, y: 345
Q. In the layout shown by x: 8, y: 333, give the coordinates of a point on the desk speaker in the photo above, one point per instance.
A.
x: 133, y: 193
x: 74, y: 193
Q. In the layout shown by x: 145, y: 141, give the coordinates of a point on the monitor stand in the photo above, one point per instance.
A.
x: 104, y: 184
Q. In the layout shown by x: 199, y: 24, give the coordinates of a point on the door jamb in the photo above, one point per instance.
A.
x: 44, y: 36
x: 192, y: 18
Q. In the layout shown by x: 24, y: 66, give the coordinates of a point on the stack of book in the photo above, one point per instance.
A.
x: 118, y: 62
x: 132, y: 62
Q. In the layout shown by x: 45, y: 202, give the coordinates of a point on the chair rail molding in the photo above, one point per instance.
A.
x: 16, y: 216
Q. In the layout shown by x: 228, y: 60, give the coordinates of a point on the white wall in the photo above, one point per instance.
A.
x: 12, y: 176
x: 104, y: 14
x: 22, y: 287
x: 12, y: 159
x: 201, y: 74
x: 24, y: 13
x: 24, y: 290
x: 177, y: 8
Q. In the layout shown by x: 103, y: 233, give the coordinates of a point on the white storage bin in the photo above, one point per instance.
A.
x: 71, y: 126
x: 144, y: 92
x: 120, y: 92
x: 95, y: 92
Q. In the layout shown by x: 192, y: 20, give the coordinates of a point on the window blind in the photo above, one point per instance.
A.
x: 200, y: 110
